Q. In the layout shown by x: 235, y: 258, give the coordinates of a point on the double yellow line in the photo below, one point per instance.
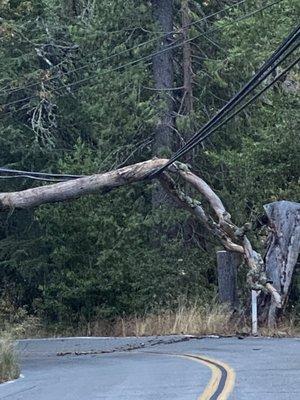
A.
x: 222, y: 378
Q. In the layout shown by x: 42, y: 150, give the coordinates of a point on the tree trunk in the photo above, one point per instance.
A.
x: 163, y: 73
x: 232, y: 237
x: 187, y: 106
x: 75, y: 188
x: 283, y: 249
x: 228, y: 263
x: 71, y: 8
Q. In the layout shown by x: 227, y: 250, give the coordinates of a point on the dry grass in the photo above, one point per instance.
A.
x: 194, y: 319
x: 200, y: 320
x: 286, y: 327
x: 9, y: 365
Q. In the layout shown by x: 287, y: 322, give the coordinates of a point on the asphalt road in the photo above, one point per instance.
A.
x: 169, y: 368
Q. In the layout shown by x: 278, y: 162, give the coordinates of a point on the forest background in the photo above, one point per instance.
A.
x: 125, y: 254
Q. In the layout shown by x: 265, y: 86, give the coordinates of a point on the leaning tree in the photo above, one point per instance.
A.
x: 264, y: 275
x: 272, y: 274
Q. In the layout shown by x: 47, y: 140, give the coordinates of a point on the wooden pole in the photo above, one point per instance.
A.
x: 228, y: 263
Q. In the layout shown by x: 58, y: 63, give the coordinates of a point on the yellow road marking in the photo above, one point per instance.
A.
x: 230, y: 381
x: 215, y: 377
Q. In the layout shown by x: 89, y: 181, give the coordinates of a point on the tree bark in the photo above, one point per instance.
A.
x: 76, y: 188
x: 71, y: 8
x: 232, y: 237
x: 163, y: 73
x: 187, y: 99
x: 283, y: 249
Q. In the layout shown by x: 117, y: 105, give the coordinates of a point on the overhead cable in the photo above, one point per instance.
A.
x: 277, y: 78
x: 95, y: 63
x: 292, y: 42
x: 148, y: 57
x: 250, y: 101
x: 36, y: 175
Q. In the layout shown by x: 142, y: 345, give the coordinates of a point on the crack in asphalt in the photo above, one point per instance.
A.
x: 130, y: 347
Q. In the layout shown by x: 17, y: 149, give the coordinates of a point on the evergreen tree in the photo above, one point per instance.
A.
x: 78, y: 111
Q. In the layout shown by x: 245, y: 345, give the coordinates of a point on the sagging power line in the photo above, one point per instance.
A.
x: 65, y: 177
x: 95, y: 63
x: 147, y: 57
x: 15, y: 173
x: 288, y: 46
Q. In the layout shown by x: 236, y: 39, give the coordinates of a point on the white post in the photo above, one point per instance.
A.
x: 254, y: 295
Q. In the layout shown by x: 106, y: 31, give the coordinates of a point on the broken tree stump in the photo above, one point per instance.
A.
x: 282, y: 250
x: 228, y: 263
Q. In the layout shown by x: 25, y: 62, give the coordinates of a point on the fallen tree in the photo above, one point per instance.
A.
x: 219, y: 222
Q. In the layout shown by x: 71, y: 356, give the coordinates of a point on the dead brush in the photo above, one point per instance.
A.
x: 287, y: 326
x: 197, y: 319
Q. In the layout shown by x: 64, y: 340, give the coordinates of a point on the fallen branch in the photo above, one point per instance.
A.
x: 231, y: 237
x: 202, y: 187
x: 76, y: 188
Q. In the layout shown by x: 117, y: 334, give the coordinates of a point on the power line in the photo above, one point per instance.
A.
x: 32, y: 177
x: 245, y: 89
x: 278, y: 77
x: 127, y: 50
x: 260, y: 76
x: 220, y: 115
x: 63, y: 177
x: 206, y: 131
x: 146, y: 57
x: 36, y: 175
x: 42, y: 177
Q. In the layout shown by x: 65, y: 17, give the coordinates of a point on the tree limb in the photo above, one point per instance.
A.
x: 76, y: 188
x: 202, y: 187
x: 231, y: 237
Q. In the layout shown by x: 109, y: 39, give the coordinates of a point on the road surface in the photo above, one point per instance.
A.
x: 169, y: 368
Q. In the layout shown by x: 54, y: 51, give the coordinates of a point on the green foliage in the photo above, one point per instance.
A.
x: 101, y: 256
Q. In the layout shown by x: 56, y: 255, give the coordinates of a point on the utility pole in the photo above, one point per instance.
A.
x: 228, y: 263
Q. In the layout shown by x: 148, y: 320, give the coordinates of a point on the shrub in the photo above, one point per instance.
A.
x: 9, y: 365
